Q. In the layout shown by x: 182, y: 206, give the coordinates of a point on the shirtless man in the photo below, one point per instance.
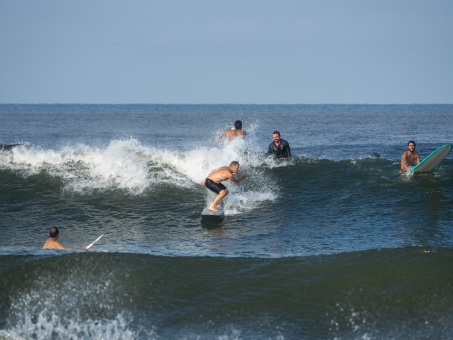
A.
x: 232, y: 134
x: 52, y: 242
x: 214, y: 182
x: 409, y: 157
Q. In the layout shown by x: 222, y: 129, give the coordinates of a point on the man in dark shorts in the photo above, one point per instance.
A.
x: 279, y: 147
x: 214, y: 182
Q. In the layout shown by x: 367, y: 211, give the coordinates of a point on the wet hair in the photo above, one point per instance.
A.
x: 54, y: 232
x: 234, y: 163
x: 238, y: 125
x: 411, y: 141
x: 276, y: 133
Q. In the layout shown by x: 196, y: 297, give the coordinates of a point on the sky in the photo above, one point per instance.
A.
x: 226, y: 52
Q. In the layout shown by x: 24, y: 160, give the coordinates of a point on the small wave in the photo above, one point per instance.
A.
x: 134, y: 168
x: 395, y: 293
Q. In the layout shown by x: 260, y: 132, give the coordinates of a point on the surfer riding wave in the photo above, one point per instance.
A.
x: 214, y: 182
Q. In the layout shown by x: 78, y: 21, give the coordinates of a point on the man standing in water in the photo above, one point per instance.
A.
x: 52, y: 242
x: 409, y: 158
x: 279, y: 147
x: 214, y: 182
x: 232, y: 134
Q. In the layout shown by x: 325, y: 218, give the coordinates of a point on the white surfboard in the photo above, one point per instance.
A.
x: 218, y: 213
x: 91, y: 244
x: 433, y: 159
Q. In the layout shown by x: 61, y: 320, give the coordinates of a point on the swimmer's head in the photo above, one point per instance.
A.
x: 238, y: 125
x: 54, y: 232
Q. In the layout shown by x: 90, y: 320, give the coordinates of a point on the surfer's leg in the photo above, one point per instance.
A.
x: 217, y: 199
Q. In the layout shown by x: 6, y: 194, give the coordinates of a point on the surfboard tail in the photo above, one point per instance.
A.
x: 433, y: 159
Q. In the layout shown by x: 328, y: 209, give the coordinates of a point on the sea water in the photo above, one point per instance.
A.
x: 332, y: 244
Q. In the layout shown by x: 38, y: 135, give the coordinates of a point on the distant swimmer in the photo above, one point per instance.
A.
x: 279, y: 147
x: 409, y: 158
x: 237, y: 131
x: 52, y: 242
x: 214, y: 182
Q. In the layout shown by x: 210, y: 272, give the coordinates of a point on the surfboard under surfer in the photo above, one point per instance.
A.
x: 409, y: 158
x: 214, y: 182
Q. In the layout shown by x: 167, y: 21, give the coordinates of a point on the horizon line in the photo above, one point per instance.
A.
x: 255, y: 104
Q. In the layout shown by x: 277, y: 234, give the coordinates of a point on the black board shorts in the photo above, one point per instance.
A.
x: 213, y: 186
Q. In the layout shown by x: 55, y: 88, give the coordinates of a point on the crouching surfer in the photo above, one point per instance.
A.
x: 214, y: 182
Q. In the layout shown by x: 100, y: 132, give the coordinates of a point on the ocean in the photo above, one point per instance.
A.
x: 332, y: 244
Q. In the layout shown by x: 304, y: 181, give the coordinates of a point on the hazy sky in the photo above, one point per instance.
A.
x: 247, y: 51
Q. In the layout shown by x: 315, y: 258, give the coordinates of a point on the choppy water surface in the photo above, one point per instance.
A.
x: 332, y: 244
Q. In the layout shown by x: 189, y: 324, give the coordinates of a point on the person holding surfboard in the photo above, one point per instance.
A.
x: 52, y: 243
x: 214, y: 182
x: 237, y: 131
x: 409, y: 158
x: 279, y: 147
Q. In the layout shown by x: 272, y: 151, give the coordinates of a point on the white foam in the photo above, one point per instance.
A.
x: 119, y: 165
x: 49, y: 325
x: 130, y: 166
x: 58, y: 310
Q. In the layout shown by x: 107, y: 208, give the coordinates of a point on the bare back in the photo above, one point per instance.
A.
x: 232, y: 134
x: 220, y: 174
x: 52, y: 243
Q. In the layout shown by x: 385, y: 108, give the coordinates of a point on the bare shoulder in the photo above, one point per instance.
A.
x: 240, y: 133
x: 52, y: 244
x: 234, y: 133
x: 229, y: 133
x: 224, y: 170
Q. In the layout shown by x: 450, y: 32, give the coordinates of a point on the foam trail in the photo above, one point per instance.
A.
x: 119, y: 165
x: 197, y: 164
x: 134, y: 168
